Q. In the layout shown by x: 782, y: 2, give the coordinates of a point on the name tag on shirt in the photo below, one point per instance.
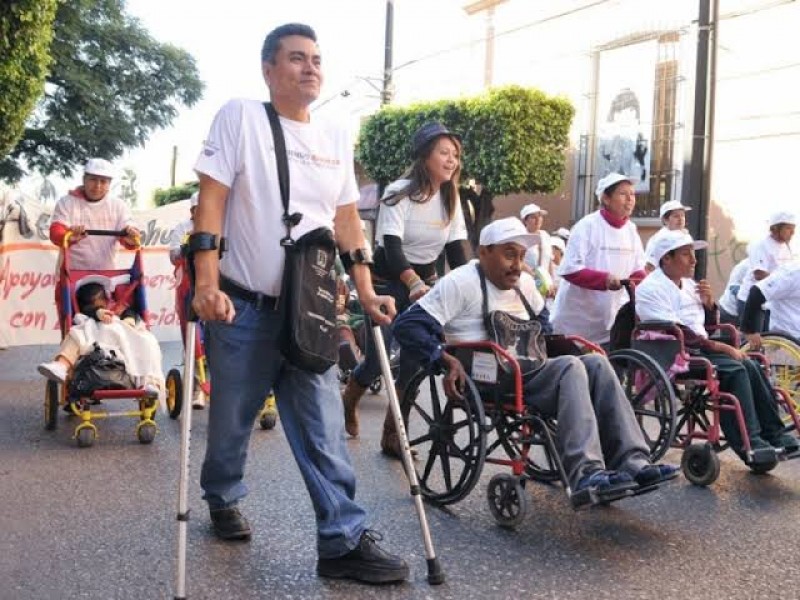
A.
x: 484, y: 367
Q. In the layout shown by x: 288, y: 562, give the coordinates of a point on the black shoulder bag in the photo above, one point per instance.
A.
x: 98, y: 370
x: 308, y: 295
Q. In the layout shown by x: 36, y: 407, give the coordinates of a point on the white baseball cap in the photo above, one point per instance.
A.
x: 670, y: 240
x: 194, y: 199
x: 100, y: 167
x: 561, y: 232
x: 557, y: 242
x: 531, y: 209
x: 672, y: 205
x: 609, y: 180
x: 504, y: 231
x: 782, y: 216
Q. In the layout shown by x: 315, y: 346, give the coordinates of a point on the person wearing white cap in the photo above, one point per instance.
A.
x: 673, y: 218
x: 558, y: 248
x: 562, y: 233
x: 560, y: 387
x: 670, y: 294
x: 604, y: 248
x: 769, y: 253
x: 540, y: 255
x: 728, y: 307
x: 182, y: 230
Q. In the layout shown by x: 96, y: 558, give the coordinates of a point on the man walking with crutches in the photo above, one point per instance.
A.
x: 237, y: 298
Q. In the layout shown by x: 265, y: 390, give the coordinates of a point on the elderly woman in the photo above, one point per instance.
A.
x: 604, y: 248
x: 420, y: 216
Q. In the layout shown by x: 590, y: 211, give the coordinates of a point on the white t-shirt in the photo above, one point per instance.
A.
x: 594, y: 244
x: 532, y: 255
x: 239, y: 153
x: 782, y: 291
x: 94, y: 252
x: 658, y: 298
x: 727, y: 301
x: 456, y: 302
x: 766, y: 255
x: 423, y: 227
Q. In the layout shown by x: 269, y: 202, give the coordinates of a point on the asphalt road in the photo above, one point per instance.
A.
x: 100, y: 523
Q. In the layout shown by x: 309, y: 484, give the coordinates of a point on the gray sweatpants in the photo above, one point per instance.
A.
x: 596, y: 423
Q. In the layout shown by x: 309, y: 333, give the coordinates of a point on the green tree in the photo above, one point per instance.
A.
x: 162, y: 197
x: 514, y: 140
x: 26, y: 29
x: 110, y: 86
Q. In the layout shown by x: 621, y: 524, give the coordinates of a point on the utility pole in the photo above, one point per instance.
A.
x: 173, y: 166
x: 487, y: 6
x: 697, y: 175
x: 388, y: 87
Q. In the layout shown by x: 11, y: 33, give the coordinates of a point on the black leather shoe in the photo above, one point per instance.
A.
x: 229, y: 524
x: 367, y: 563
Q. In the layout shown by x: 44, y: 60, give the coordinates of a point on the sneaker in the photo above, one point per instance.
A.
x: 367, y: 563
x: 790, y: 443
x: 198, y: 400
x: 654, y: 474
x: 604, y: 481
x: 54, y: 371
x: 229, y: 524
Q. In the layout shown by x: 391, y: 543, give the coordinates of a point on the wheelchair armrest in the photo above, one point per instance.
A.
x: 656, y: 325
x: 730, y: 333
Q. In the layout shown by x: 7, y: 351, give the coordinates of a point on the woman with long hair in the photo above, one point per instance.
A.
x: 420, y: 216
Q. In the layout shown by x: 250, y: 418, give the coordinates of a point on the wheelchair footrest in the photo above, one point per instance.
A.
x: 593, y: 496
x: 789, y: 455
x: 763, y: 456
x: 646, y: 489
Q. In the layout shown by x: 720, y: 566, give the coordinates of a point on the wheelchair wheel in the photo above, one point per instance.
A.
x: 174, y: 393
x: 652, y: 396
x: 783, y: 353
x: 51, y: 405
x: 508, y: 501
x: 700, y: 464
x: 448, y: 435
x: 519, y: 439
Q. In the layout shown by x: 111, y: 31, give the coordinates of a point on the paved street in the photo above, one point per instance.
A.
x: 99, y: 523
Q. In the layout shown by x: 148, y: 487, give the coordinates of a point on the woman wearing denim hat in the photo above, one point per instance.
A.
x: 604, y: 248
x: 420, y: 216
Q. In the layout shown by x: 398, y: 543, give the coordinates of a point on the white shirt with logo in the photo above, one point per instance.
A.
x: 423, y: 227
x: 766, y: 255
x: 239, y: 153
x: 541, y: 253
x: 658, y: 298
x: 594, y: 244
x: 782, y: 291
x: 456, y: 302
x: 93, y: 252
x: 727, y: 301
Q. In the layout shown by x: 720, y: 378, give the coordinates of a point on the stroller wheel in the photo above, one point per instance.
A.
x: 174, y: 393
x: 85, y: 435
x: 268, y: 417
x: 51, y: 406
x: 146, y: 431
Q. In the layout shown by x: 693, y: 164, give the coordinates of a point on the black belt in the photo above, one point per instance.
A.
x: 257, y: 298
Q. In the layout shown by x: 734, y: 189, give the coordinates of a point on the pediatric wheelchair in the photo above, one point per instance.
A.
x: 455, y: 437
x: 130, y: 292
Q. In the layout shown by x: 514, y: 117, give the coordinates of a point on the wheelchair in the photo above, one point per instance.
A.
x: 783, y: 353
x: 129, y: 291
x: 697, y: 430
x: 455, y: 437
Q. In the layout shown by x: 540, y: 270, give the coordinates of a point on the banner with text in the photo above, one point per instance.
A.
x: 28, y: 271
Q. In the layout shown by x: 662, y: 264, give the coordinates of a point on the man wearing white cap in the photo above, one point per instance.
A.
x: 91, y: 207
x: 670, y: 294
x: 604, y: 248
x: 457, y: 309
x: 768, y: 254
x: 673, y: 218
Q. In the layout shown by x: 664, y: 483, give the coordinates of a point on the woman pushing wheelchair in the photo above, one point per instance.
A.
x: 598, y: 439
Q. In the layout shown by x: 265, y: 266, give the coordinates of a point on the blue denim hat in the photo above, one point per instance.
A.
x: 428, y: 132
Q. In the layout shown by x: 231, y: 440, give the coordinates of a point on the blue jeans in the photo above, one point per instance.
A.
x: 245, y: 363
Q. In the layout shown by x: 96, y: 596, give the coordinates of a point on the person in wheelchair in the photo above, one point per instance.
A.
x: 670, y: 294
x: 599, y: 440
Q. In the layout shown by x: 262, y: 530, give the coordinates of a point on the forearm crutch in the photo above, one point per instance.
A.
x: 435, y: 573
x: 186, y: 432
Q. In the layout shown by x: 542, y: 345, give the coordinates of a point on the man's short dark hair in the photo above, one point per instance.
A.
x: 273, y: 40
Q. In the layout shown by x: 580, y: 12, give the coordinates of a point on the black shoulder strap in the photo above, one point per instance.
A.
x: 283, y: 172
x: 485, y: 295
